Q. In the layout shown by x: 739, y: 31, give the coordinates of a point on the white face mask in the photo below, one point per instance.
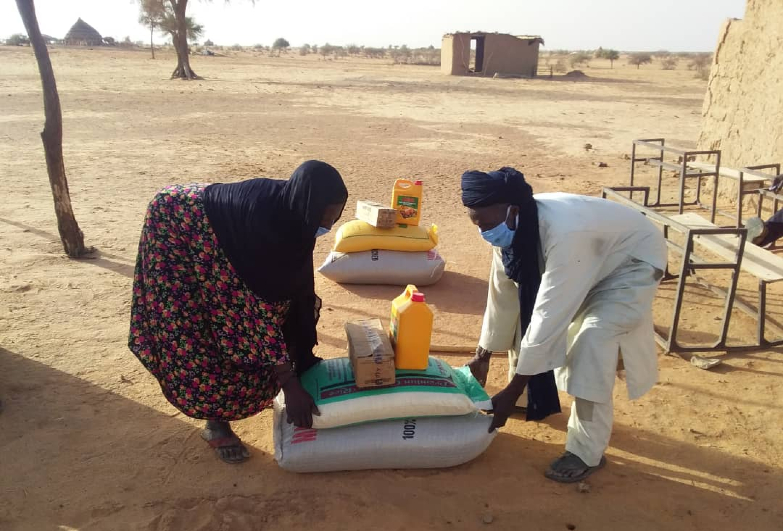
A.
x: 321, y: 232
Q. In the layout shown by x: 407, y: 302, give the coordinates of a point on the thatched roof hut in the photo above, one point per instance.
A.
x: 83, y: 34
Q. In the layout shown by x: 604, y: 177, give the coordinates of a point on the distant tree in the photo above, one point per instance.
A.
x: 353, y: 49
x: 18, y: 39
x: 110, y: 41
x: 151, y: 13
x: 237, y: 48
x: 280, y: 44
x: 127, y: 42
x: 314, y: 48
x: 304, y: 49
x: 669, y: 63
x: 640, y: 59
x: 600, y: 53
x: 180, y: 29
x: 339, y: 51
x: 612, y: 55
x: 327, y: 49
x: 375, y: 53
x: 208, y: 42
x: 662, y: 54
x: 579, y: 58
x: 71, y: 235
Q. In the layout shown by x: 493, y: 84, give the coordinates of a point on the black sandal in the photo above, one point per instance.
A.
x: 562, y: 469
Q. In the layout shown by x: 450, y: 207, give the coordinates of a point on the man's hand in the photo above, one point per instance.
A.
x: 479, y: 365
x: 503, y: 403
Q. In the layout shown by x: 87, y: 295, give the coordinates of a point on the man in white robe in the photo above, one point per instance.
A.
x: 600, y: 265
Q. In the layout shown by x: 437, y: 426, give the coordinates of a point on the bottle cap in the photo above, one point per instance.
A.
x: 418, y: 182
x: 417, y: 296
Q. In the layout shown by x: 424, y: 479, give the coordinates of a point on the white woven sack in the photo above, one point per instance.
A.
x: 396, y: 268
x: 430, y: 442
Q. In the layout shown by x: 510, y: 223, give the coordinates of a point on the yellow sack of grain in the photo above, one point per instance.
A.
x: 357, y: 236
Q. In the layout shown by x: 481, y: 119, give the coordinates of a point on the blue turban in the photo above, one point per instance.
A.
x: 505, y: 185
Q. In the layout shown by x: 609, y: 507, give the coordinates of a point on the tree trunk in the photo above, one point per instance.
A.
x: 152, y: 44
x: 611, y: 63
x: 52, y: 137
x: 180, y: 41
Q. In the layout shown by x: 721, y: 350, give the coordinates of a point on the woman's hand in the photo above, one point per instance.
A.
x: 299, y: 405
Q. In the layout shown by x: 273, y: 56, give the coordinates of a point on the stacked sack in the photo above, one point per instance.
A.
x: 386, y: 245
x: 426, y: 419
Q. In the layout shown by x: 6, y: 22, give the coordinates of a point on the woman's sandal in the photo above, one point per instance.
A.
x: 229, y: 449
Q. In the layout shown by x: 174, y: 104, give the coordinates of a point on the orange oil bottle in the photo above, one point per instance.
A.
x: 406, y: 200
x: 411, y: 330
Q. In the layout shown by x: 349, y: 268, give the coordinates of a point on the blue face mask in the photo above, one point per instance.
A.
x: 500, y: 236
x: 321, y: 231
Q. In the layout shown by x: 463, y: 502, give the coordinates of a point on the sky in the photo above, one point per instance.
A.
x: 627, y: 25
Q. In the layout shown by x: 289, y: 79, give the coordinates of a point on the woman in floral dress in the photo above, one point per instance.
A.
x: 224, y: 308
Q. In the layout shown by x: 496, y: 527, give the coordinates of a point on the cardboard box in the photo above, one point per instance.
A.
x: 376, y: 214
x: 371, y: 353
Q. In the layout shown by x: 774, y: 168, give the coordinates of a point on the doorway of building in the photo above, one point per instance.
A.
x: 476, y: 54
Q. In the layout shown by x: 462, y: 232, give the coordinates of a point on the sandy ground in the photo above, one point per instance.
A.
x: 87, y: 441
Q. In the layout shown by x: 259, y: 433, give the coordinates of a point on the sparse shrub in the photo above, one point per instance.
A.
x: 208, y: 43
x: 700, y: 62
x: 17, y: 39
x: 326, y: 50
x: 304, y: 49
x: 560, y: 66
x: 704, y: 74
x: 237, y: 48
x: 340, y: 51
x: 580, y: 58
x: 375, y: 53
x: 353, y: 49
x: 669, y: 63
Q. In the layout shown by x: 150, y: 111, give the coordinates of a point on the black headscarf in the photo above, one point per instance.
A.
x: 520, y: 261
x: 267, y: 229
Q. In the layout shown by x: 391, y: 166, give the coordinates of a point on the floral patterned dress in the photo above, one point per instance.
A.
x: 210, y: 341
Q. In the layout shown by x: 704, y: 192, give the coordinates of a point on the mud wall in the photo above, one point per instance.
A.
x: 743, y: 107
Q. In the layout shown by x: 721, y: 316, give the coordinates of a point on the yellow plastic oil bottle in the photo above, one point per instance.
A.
x: 411, y: 330
x: 406, y: 200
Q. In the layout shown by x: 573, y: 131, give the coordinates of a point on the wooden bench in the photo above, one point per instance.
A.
x: 767, y: 267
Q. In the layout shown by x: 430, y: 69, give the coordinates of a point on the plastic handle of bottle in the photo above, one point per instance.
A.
x: 410, y: 290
